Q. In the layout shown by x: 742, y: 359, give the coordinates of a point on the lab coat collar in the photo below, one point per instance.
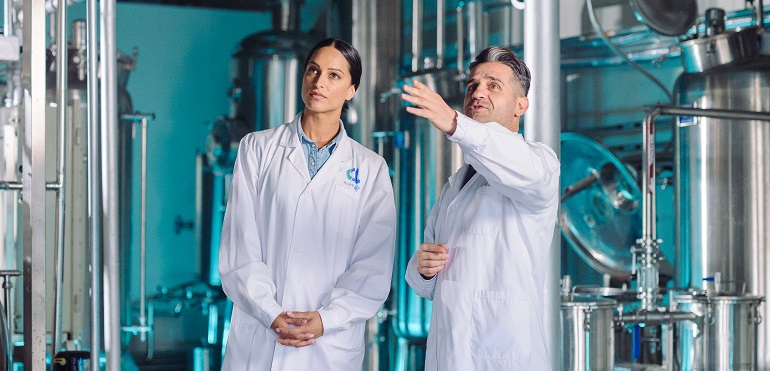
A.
x: 342, y: 154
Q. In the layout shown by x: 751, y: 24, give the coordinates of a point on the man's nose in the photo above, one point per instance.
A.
x: 479, y: 92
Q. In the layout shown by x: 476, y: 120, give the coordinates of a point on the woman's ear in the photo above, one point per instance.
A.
x: 351, y: 92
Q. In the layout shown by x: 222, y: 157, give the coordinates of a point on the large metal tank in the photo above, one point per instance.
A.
x: 722, y: 167
x: 267, y: 77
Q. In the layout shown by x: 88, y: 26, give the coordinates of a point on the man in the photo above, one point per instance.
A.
x: 487, y: 238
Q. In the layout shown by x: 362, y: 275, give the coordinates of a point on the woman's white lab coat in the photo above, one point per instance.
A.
x: 290, y: 243
x: 488, y: 299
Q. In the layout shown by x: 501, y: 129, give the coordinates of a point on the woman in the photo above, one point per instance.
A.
x: 308, y: 236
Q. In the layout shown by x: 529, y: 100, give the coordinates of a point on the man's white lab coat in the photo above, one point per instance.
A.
x: 488, y: 299
x: 292, y: 244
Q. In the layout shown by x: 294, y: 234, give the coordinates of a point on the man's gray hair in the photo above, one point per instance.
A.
x: 505, y: 56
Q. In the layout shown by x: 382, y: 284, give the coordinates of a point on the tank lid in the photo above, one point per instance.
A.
x: 704, y: 53
x: 276, y: 42
x: 603, y: 220
x: 586, y: 301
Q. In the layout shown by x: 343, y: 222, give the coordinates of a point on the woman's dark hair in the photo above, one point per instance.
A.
x: 351, y: 55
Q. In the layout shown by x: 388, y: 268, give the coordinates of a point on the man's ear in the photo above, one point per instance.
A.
x: 522, y: 104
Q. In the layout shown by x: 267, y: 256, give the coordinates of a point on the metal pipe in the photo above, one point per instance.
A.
x: 580, y: 185
x: 61, y: 110
x: 600, y: 32
x: 144, y: 327
x: 33, y: 130
x: 647, y: 269
x: 760, y: 15
x: 440, y: 14
x: 7, y: 18
x: 647, y: 250
x: 10, y: 186
x: 94, y: 181
x: 416, y: 35
x: 460, y: 39
x: 655, y: 317
x: 143, y: 234
x: 475, y: 31
x: 543, y: 123
x: 109, y: 121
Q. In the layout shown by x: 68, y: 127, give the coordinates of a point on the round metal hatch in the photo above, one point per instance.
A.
x: 602, y: 221
x: 666, y: 17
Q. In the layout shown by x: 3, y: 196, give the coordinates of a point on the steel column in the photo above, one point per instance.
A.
x: 34, y: 183
x: 542, y: 123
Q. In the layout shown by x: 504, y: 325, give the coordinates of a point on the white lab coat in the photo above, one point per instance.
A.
x: 488, y: 299
x: 294, y: 244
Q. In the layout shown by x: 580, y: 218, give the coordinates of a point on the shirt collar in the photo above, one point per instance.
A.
x: 304, y: 139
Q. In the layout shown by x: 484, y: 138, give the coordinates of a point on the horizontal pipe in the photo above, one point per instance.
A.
x: 663, y: 110
x: 16, y: 186
x: 13, y: 186
x: 580, y: 185
x: 137, y: 116
x: 655, y: 317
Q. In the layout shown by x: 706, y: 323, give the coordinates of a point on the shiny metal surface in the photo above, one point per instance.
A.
x: 666, y: 17
x: 33, y: 130
x: 108, y: 91
x: 602, y: 221
x: 704, y: 53
x: 61, y: 117
x: 542, y: 123
x: 722, y: 208
x: 724, y: 337
x: 587, y: 333
x: 267, y: 78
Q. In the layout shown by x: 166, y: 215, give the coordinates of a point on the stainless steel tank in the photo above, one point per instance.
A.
x: 266, y: 74
x: 587, y: 333
x: 722, y: 167
x: 724, y: 337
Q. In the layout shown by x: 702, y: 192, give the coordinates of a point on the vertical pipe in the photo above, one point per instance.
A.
x: 507, y: 22
x: 440, y: 14
x: 34, y: 183
x: 475, y: 27
x: 61, y: 110
x: 143, y: 234
x: 7, y: 18
x: 647, y: 276
x: 460, y: 39
x: 543, y: 123
x: 94, y: 183
x: 109, y: 137
x: 416, y: 35
x: 760, y: 14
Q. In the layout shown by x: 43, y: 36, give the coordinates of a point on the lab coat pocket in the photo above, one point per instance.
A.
x: 484, y: 215
x: 500, y: 328
x: 341, y: 213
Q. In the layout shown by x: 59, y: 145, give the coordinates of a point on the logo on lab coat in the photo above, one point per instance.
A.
x: 354, y: 181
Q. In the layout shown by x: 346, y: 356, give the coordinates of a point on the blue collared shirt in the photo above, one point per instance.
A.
x: 316, y: 157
